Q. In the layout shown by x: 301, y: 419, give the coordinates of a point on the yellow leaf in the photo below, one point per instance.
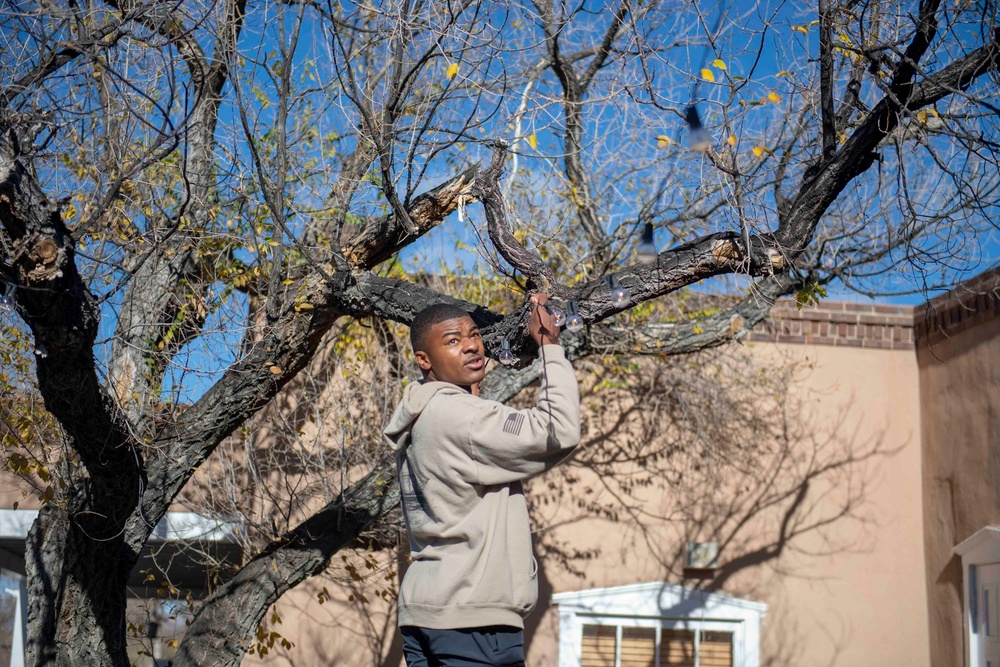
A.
x: 299, y: 307
x: 841, y: 137
x: 933, y: 112
x: 774, y: 97
x: 707, y: 75
x: 663, y: 141
x: 275, y: 370
x: 533, y: 141
x: 783, y: 72
x: 731, y: 140
x: 69, y: 212
x: 922, y: 116
x: 758, y: 151
x: 452, y: 70
x: 718, y: 64
x: 801, y: 28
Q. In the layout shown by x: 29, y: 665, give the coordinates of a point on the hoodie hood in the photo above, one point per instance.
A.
x: 416, y: 396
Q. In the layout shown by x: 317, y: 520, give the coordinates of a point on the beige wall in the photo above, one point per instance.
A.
x: 850, y: 592
x: 960, y: 411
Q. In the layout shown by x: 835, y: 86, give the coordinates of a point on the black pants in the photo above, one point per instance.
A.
x: 493, y: 646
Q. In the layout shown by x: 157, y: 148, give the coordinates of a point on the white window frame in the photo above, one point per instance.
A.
x: 982, y: 548
x: 659, y: 605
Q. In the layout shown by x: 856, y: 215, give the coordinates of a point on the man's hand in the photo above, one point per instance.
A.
x: 540, y: 325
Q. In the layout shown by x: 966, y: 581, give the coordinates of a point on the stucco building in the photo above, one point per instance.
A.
x: 870, y: 535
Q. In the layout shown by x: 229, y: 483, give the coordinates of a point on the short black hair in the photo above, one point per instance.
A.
x: 428, y: 317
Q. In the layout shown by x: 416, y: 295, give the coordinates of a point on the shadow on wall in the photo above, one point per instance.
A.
x: 733, y: 456
x: 780, y: 480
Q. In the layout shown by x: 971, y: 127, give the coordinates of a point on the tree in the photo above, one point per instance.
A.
x: 193, y: 195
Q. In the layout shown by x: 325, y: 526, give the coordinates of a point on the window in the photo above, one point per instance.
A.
x: 13, y: 597
x: 716, y: 649
x: 657, y: 625
x: 599, y: 646
x: 617, y: 646
x: 980, y: 555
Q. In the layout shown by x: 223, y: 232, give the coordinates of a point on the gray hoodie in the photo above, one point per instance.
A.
x: 461, y: 460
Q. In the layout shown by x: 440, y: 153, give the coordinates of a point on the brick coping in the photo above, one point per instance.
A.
x: 880, y: 326
x: 873, y: 326
x: 970, y: 303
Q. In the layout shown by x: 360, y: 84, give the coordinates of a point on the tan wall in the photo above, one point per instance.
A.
x: 960, y: 410
x: 852, y: 591
x: 849, y: 594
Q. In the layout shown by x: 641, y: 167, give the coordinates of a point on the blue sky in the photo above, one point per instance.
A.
x: 788, y: 38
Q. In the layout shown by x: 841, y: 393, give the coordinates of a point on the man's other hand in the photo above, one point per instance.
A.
x: 540, y: 325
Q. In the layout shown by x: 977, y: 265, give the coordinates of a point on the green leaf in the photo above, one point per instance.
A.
x: 810, y: 295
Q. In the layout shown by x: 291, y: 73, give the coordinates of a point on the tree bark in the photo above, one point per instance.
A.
x: 76, y: 561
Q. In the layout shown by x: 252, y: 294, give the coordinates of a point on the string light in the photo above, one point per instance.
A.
x: 557, y: 313
x: 699, y: 139
x: 7, y: 302
x: 574, y: 322
x: 506, y: 356
x: 646, y: 250
x: 619, y: 294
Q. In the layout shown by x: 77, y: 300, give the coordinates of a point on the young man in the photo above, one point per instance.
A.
x: 461, y: 461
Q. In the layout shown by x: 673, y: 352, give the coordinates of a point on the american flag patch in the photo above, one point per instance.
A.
x: 513, y: 424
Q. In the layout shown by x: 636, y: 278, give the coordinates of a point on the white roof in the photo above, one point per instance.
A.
x: 175, y: 526
x: 657, y: 599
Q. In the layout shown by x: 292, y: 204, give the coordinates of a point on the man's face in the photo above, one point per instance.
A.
x: 453, y: 352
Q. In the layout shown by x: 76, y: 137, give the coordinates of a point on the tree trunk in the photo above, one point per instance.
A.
x: 76, y: 594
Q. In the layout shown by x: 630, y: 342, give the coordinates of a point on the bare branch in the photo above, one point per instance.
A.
x: 829, y: 131
x: 487, y: 190
x: 301, y: 553
x: 382, y: 238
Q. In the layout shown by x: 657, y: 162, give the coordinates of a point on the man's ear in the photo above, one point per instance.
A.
x: 422, y: 360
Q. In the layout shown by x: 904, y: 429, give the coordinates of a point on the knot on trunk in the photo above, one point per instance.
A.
x: 40, y: 257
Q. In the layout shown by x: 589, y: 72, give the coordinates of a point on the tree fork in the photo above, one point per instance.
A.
x: 72, y: 620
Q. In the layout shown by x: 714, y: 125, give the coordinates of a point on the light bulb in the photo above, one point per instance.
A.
x: 506, y: 356
x: 574, y: 322
x: 7, y: 304
x: 557, y: 313
x: 619, y: 295
x: 699, y: 139
x: 645, y: 250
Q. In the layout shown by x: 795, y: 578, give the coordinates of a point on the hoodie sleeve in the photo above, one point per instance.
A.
x: 508, y: 445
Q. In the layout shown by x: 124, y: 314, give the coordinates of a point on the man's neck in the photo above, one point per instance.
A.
x: 469, y: 389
